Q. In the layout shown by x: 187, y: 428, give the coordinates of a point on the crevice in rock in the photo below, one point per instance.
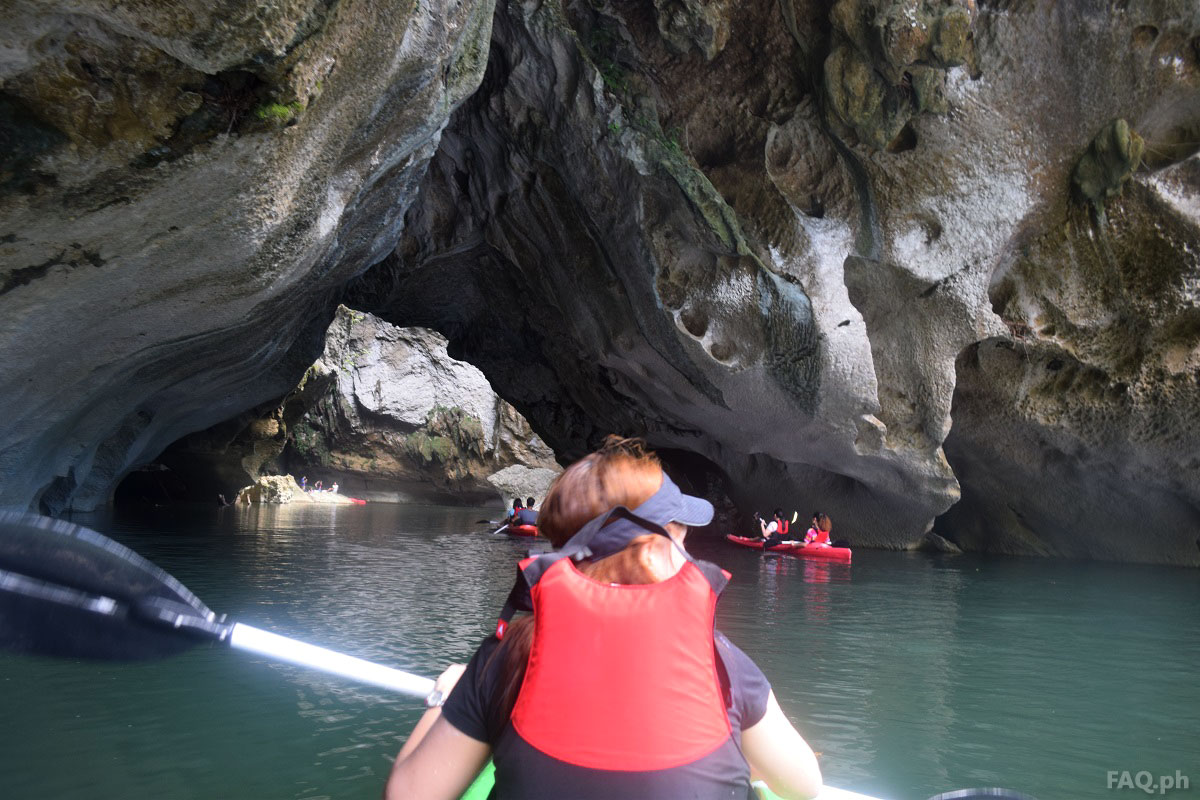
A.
x: 72, y: 258
x: 231, y: 102
x: 905, y: 140
x: 23, y: 140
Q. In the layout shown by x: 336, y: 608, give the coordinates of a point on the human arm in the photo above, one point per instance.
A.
x: 438, y: 761
x: 778, y: 754
x: 440, y: 766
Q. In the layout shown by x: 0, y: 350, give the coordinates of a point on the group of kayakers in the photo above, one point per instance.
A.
x: 613, y: 693
x: 778, y: 529
x: 523, y: 514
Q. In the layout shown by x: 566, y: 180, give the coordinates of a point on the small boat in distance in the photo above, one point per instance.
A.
x: 794, y: 548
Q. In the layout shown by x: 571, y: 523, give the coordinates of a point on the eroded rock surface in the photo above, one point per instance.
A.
x: 183, y: 188
x: 720, y: 253
x: 803, y: 241
x: 384, y: 412
x: 403, y: 420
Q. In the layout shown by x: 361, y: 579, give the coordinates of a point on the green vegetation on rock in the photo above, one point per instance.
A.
x: 450, y: 434
x: 310, y: 443
x: 279, y: 112
x: 1109, y: 161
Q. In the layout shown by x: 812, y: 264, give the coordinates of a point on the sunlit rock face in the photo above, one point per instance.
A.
x: 675, y: 222
x: 1077, y: 434
x: 404, y: 421
x: 183, y: 188
x: 384, y: 412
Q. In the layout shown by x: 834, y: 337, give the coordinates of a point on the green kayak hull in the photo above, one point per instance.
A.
x: 482, y: 786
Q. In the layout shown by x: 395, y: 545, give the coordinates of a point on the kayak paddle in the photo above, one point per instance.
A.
x: 66, y: 590
x: 501, y: 529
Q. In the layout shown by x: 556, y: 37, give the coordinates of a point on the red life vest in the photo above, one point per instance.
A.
x: 783, y: 527
x: 622, y: 694
x: 635, y: 666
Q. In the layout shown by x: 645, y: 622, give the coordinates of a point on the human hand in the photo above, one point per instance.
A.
x: 449, y: 677
x: 444, y: 684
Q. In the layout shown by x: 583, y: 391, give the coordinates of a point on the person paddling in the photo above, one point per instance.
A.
x: 774, y: 531
x: 613, y: 693
x: 526, y: 515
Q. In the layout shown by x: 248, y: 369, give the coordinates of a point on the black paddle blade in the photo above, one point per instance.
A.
x: 66, y: 590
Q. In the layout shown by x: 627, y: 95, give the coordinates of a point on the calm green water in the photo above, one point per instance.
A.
x: 911, y: 674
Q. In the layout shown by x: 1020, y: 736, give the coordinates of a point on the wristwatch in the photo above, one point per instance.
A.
x: 435, y: 699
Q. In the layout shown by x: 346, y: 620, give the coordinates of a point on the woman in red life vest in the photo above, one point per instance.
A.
x: 622, y: 688
x: 819, y: 532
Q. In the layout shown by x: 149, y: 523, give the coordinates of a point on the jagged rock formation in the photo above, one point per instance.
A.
x: 805, y: 242
x: 384, y: 411
x: 281, y: 489
x: 403, y: 420
x: 238, y: 451
x: 744, y: 250
x: 183, y: 189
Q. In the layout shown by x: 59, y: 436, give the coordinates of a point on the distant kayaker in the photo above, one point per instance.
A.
x: 304, y: 483
x: 512, y: 515
x: 526, y: 515
x: 333, y: 488
x: 614, y: 693
x: 819, y: 532
x: 774, y: 531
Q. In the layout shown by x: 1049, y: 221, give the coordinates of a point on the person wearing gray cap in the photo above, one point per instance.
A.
x: 622, y: 688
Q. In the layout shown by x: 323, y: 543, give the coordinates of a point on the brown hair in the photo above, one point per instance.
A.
x: 823, y: 523
x: 621, y: 473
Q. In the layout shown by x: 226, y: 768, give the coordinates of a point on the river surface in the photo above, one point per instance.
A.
x: 911, y: 674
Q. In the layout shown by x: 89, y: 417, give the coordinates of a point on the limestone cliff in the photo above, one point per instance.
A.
x: 183, y: 188
x: 782, y: 247
x: 805, y: 243
x: 403, y: 420
x: 384, y: 412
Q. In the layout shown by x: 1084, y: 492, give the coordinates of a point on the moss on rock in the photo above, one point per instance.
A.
x: 1108, y: 163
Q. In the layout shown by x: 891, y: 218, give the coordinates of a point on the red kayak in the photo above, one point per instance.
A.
x: 358, y: 502
x: 821, y: 551
x: 522, y: 530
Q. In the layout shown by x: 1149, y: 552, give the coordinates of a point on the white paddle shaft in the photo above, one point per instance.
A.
x: 281, y: 648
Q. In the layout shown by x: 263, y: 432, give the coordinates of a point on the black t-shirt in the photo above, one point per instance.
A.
x: 470, y: 707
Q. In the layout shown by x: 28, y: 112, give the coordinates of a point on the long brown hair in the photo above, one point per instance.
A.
x: 621, y: 473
